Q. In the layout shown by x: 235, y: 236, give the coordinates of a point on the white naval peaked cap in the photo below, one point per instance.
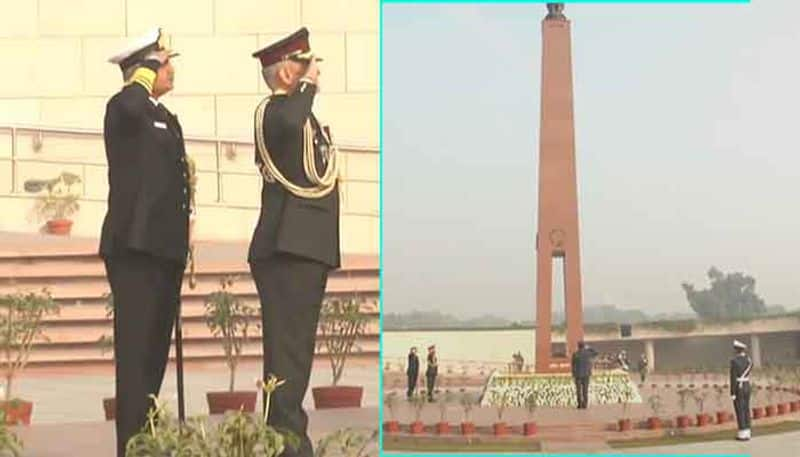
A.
x: 138, y: 48
x: 739, y: 345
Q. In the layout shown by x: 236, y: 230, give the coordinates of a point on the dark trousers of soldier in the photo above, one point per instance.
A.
x: 582, y: 390
x: 291, y: 290
x: 741, y: 405
x: 412, y: 384
x: 146, y: 291
x: 430, y: 377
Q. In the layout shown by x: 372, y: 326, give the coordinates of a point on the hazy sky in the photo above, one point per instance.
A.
x: 688, y: 152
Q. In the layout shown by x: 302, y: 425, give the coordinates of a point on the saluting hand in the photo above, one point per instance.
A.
x: 161, y: 56
x: 312, y: 72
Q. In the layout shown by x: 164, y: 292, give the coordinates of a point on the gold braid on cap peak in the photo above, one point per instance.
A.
x: 322, y: 185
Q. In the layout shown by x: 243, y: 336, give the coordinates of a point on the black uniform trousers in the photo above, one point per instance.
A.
x: 431, y: 381
x: 741, y: 405
x: 291, y: 289
x: 146, y: 292
x: 412, y: 383
x: 582, y: 390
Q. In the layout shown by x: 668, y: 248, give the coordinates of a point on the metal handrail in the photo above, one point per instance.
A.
x: 218, y: 142
x: 195, y: 138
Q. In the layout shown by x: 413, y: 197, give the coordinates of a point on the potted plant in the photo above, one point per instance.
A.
x: 531, y: 403
x: 758, y: 411
x: 771, y: 410
x: 229, y: 318
x: 722, y: 415
x: 683, y: 401
x: 390, y: 401
x: 703, y: 419
x: 443, y: 427
x: 21, y: 317
x: 159, y: 437
x: 783, y: 404
x: 794, y: 405
x: 10, y: 444
x: 349, y: 442
x: 58, y: 203
x: 625, y: 422
x: 342, y: 323
x: 467, y: 403
x: 656, y: 405
x: 106, y: 344
x: 419, y: 401
x: 239, y: 434
x: 501, y: 403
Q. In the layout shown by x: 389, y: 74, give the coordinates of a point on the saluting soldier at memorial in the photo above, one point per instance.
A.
x: 581, y: 364
x: 296, y: 240
x: 146, y: 234
x: 741, y: 366
x: 432, y: 371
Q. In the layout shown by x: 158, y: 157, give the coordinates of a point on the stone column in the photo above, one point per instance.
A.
x: 650, y: 352
x: 755, y: 350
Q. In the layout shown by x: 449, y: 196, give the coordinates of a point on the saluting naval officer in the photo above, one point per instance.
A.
x: 741, y: 366
x: 296, y: 240
x: 145, y: 235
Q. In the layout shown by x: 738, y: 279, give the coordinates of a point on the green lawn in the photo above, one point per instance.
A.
x: 408, y: 444
x: 723, y: 435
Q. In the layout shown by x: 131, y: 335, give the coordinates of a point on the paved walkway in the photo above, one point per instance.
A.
x: 69, y: 398
x: 777, y: 445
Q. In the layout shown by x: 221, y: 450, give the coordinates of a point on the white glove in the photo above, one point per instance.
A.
x: 733, y: 397
x: 159, y: 56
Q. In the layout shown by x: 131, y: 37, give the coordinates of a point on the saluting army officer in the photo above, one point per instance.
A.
x: 145, y: 234
x: 296, y: 241
x: 741, y: 366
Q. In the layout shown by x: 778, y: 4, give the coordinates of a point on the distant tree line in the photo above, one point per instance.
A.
x: 729, y: 296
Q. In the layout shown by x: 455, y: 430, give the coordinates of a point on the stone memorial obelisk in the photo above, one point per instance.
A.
x: 557, y: 235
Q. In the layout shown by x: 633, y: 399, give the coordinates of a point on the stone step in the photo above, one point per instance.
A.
x: 199, y: 348
x: 89, y: 264
x: 81, y: 288
x: 194, y: 327
x: 370, y: 299
x: 74, y: 274
x: 191, y: 308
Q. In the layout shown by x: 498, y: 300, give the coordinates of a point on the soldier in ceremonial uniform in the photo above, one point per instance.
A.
x: 582, y: 361
x: 145, y: 234
x: 431, y: 371
x: 296, y: 240
x: 741, y: 365
x: 412, y: 371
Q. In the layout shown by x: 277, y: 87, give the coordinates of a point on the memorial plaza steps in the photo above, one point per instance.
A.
x: 75, y: 276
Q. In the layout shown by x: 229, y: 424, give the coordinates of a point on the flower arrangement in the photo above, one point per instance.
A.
x: 558, y: 390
